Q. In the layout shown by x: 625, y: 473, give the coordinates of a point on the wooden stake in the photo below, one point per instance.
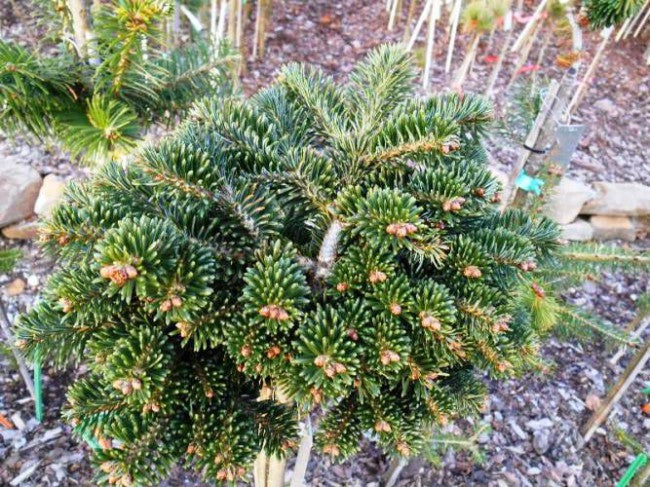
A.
x: 455, y: 17
x: 643, y: 324
x: 631, y: 21
x: 464, y: 67
x: 256, y: 35
x: 409, y: 19
x: 232, y: 21
x: 394, y: 471
x: 304, y: 452
x: 497, y: 66
x: 393, y: 14
x: 645, y: 19
x: 577, y: 97
x: 214, y: 14
x: 632, y: 370
x: 430, y: 38
x: 5, y: 324
x: 528, y: 29
x: 418, y: 25
x: 523, y: 55
x: 269, y: 471
x: 223, y: 13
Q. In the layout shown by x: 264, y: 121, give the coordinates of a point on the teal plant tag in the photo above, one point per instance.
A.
x: 38, y: 386
x: 529, y: 183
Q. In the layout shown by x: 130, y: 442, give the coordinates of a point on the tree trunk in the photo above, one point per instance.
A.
x: 79, y: 26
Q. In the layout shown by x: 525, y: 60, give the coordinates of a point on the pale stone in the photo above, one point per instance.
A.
x: 567, y: 199
x: 613, y: 227
x: 19, y: 186
x: 578, y: 231
x: 50, y: 195
x: 623, y: 199
x: 15, y: 287
x: 25, y: 230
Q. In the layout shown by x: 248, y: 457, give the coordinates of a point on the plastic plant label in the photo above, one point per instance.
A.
x: 567, y: 137
x: 528, y: 183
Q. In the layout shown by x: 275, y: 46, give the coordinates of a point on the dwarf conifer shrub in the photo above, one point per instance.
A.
x: 338, y: 243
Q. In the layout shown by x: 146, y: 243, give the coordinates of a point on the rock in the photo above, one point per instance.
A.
x: 32, y: 280
x: 541, y: 441
x: 49, y: 195
x: 25, y: 230
x: 15, y: 287
x: 533, y: 471
x: 538, y: 424
x: 592, y: 402
x: 19, y: 186
x: 567, y: 199
x: 606, y: 105
x: 632, y: 199
x: 611, y: 227
x: 578, y: 231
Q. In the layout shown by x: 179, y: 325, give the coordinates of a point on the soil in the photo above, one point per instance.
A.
x: 534, y: 421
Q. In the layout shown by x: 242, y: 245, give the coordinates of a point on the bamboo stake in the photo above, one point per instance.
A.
x: 79, y: 26
x: 464, y: 67
x: 523, y: 55
x: 194, y: 20
x: 455, y: 17
x: 409, y: 19
x: 239, y: 30
x: 636, y: 334
x: 600, y: 415
x: 394, y: 471
x: 542, y: 50
x: 645, y: 19
x: 419, y: 24
x: 393, y: 14
x: 430, y: 38
x: 232, y: 21
x: 256, y: 35
x: 622, y: 30
x: 5, y: 324
x: 498, y: 65
x: 223, y: 13
x: 214, y: 13
x: 304, y: 452
x: 631, y: 21
x: 529, y: 26
x: 580, y: 91
x: 268, y: 471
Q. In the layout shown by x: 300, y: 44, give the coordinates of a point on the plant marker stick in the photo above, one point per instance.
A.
x: 38, y: 386
x: 523, y: 55
x: 507, y: 26
x: 214, y: 10
x: 632, y: 21
x: 464, y: 67
x: 393, y: 14
x: 5, y: 324
x: 409, y: 19
x: 640, y: 460
x: 455, y: 17
x: 430, y: 38
x: 529, y: 26
x: 223, y: 13
x: 645, y: 19
x: 256, y: 35
x: 420, y: 22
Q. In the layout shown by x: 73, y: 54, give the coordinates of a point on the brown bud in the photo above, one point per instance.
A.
x: 273, y: 352
x: 66, y: 305
x: 241, y: 367
x: 20, y: 343
x: 316, y: 394
x: 403, y: 449
x: 331, y: 450
x: 503, y: 366
x: 105, y: 443
x: 339, y: 368
x: 329, y: 370
x: 209, y: 393
x: 480, y: 192
x: 377, y: 276
x: 528, y: 266
x: 429, y: 322
x: 321, y: 360
x: 155, y: 407
x: 472, y: 272
x: 127, y: 388
x: 136, y: 384
x: 63, y: 240
x: 342, y: 287
x: 222, y: 474
x: 265, y: 311
x: 107, y: 467
x: 191, y: 449
x: 388, y: 356
x: 496, y: 198
x: 176, y: 302
x: 395, y: 309
x: 246, y: 351
x: 538, y: 290
x: 391, y: 229
x: 183, y: 328
x: 166, y: 306
x: 453, y: 204
x: 410, y: 228
x: 352, y: 334
x: 382, y: 426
